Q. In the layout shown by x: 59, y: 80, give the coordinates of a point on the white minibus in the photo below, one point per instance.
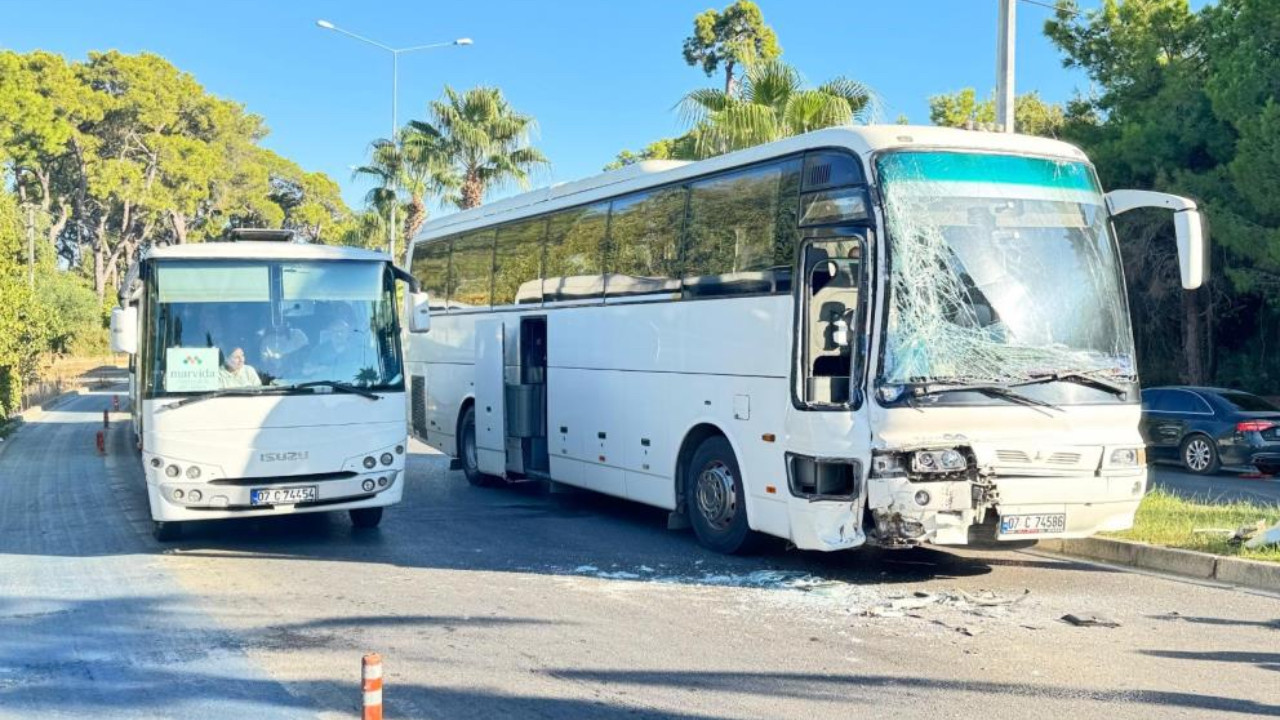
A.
x: 266, y: 379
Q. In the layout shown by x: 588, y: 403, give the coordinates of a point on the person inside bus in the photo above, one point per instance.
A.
x: 236, y: 374
x: 279, y: 349
x: 340, y: 355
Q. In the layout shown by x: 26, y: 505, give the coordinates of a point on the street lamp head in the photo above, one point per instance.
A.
x: 462, y: 41
x: 325, y: 24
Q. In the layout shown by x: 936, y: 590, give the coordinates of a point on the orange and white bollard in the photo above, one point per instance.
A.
x: 371, y: 681
x: 115, y: 403
x: 102, y: 443
x: 106, y: 418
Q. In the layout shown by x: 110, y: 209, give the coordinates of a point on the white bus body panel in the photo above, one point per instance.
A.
x: 243, y: 443
x: 491, y: 416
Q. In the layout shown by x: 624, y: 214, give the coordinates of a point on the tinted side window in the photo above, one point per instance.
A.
x: 472, y: 270
x: 1247, y: 403
x: 575, y: 244
x: 1185, y: 402
x: 830, y: 169
x: 517, y: 274
x: 430, y: 268
x: 644, y: 230
x: 733, y: 243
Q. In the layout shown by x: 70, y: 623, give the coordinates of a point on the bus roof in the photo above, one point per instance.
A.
x: 863, y: 140
x: 261, y: 251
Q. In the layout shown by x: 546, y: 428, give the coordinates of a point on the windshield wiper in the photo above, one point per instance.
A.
x: 1087, y: 378
x: 990, y: 390
x: 334, y: 384
x: 213, y: 394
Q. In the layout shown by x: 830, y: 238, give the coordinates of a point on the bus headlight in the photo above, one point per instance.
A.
x: 938, y: 461
x: 173, y: 471
x: 370, y: 463
x: 387, y: 458
x: 1126, y: 457
x: 193, y: 473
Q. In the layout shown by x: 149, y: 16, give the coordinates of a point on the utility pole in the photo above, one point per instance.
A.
x: 1005, y: 37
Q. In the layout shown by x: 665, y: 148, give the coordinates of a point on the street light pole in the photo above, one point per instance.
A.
x: 1005, y: 38
x: 395, y: 124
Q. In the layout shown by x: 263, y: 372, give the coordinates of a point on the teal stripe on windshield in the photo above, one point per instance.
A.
x: 977, y: 167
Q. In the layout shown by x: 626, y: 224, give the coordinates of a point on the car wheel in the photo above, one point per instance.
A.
x: 1200, y: 455
x: 715, y: 500
x: 469, y: 454
x: 166, y: 531
x: 366, y: 518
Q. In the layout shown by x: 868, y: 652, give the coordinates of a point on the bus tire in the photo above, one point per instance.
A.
x: 467, y: 452
x: 166, y: 531
x: 715, y: 500
x: 366, y: 518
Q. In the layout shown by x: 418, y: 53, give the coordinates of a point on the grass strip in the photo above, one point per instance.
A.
x: 1171, y: 521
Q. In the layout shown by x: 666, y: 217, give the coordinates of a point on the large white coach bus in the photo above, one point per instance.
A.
x: 266, y: 379
x: 890, y: 334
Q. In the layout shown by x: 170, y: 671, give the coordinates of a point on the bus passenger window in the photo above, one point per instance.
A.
x: 644, y: 230
x: 517, y: 274
x: 431, y: 268
x: 575, y: 244
x: 471, y: 277
x: 733, y: 245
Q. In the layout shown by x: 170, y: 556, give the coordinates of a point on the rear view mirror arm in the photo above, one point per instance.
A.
x: 408, y: 279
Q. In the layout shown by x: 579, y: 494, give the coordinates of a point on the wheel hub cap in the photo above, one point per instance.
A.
x: 717, y: 499
x: 1198, y: 454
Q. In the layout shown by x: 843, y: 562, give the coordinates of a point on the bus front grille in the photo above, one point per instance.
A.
x: 314, y: 477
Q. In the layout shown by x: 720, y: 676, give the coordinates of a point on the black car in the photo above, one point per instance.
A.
x: 1207, y: 429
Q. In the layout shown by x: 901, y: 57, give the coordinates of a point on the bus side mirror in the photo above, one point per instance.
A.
x: 1190, y: 228
x: 419, y: 313
x: 124, y: 330
x: 1193, y: 247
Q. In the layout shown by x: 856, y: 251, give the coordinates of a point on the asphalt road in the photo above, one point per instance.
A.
x: 1223, y: 487
x: 515, y: 603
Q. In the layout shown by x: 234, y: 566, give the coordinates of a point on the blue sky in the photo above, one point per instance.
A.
x: 598, y: 76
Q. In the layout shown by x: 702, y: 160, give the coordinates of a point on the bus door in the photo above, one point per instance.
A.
x: 832, y: 313
x: 491, y: 453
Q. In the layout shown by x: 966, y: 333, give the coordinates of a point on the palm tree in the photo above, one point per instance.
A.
x: 406, y: 172
x: 770, y: 104
x: 485, y: 140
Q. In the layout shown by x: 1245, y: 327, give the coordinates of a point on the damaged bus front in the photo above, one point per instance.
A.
x: 1005, y: 401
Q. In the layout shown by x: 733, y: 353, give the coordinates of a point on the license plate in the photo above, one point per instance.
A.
x: 1033, y: 524
x: 283, y: 496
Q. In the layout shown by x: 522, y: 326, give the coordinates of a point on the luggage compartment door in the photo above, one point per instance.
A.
x: 491, y: 420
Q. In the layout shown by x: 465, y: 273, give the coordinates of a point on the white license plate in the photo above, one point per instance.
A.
x: 283, y: 496
x: 1044, y: 524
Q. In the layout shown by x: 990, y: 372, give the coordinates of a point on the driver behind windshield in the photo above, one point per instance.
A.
x: 234, y: 373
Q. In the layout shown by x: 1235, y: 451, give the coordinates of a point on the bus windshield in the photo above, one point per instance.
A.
x: 249, y: 324
x: 1003, y: 269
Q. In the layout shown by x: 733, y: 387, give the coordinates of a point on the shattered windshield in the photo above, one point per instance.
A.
x: 1002, y: 269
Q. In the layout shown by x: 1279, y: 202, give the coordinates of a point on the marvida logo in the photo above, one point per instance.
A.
x: 192, y: 360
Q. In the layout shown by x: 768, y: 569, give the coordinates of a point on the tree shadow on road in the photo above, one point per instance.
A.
x: 878, y: 689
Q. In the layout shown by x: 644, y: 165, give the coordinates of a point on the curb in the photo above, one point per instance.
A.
x: 1187, y: 563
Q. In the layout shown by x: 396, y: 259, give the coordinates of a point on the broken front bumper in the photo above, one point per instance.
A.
x: 941, y: 512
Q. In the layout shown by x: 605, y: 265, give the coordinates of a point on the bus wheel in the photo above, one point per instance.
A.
x: 166, y: 531
x: 467, y: 443
x: 715, y: 501
x: 366, y: 518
